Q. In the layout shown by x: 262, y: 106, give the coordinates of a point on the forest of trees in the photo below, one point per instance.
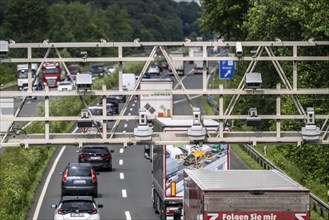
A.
x: 165, y: 20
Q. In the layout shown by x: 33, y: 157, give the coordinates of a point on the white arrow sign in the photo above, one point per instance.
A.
x: 227, y: 73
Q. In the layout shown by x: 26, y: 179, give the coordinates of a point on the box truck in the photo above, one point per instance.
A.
x: 177, y: 64
x: 243, y: 195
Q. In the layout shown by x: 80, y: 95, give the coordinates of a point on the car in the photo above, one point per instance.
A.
x: 79, y: 179
x: 98, y: 110
x: 77, y: 207
x: 147, y: 75
x: 164, y: 65
x: 97, y: 70
x: 154, y: 69
x: 74, y: 70
x: 100, y: 157
x: 109, y: 69
x: 112, y: 104
x: 116, y: 98
x: 64, y: 86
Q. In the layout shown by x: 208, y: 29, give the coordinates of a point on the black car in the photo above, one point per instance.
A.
x: 98, y: 110
x: 97, y: 70
x: 79, y: 179
x: 116, y: 98
x: 71, y: 207
x: 97, y: 156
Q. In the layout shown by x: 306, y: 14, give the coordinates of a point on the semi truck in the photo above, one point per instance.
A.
x: 170, y: 160
x: 198, y: 64
x: 244, y: 195
x: 52, y: 73
x: 177, y: 64
x: 159, y: 102
x: 22, y: 76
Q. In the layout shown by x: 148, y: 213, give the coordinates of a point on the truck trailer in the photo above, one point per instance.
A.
x: 177, y: 64
x: 159, y: 102
x: 170, y: 160
x: 244, y: 195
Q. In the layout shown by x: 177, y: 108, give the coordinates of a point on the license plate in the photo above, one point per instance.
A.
x: 77, y: 215
x: 80, y: 181
x: 95, y: 158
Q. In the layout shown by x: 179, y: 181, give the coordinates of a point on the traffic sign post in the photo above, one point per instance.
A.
x: 226, y: 69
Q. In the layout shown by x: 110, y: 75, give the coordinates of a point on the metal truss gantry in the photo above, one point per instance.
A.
x: 11, y: 139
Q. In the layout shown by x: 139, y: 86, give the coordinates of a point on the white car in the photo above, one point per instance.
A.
x: 77, y: 207
x: 64, y: 86
x: 154, y: 69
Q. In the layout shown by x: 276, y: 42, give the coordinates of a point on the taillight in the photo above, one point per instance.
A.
x: 65, y: 176
x: 94, y: 211
x: 93, y: 176
x: 106, y: 156
x: 83, y: 156
x: 170, y: 212
x: 60, y: 212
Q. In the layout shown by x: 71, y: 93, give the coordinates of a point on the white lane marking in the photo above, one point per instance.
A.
x: 121, y: 150
x: 128, y: 217
x: 120, y: 162
x: 122, y: 176
x: 43, y: 193
x: 133, y: 105
x: 124, y: 193
x: 125, y: 125
x: 123, y: 131
x: 183, y: 100
x: 129, y: 114
x: 131, y: 109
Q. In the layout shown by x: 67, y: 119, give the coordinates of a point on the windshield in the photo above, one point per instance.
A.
x: 74, y: 70
x: 95, y: 150
x: 50, y: 70
x: 79, y: 171
x: 96, y: 111
x: 73, y: 206
x: 22, y: 74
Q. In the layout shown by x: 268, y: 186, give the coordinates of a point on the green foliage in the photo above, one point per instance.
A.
x: 20, y: 173
x: 8, y: 73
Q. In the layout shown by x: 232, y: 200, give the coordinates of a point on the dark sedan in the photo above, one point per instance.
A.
x: 97, y: 156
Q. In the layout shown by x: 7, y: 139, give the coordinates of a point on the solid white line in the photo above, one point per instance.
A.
x: 121, y: 150
x: 120, y: 162
x: 127, y: 213
x: 43, y: 193
x: 124, y: 193
x: 122, y: 176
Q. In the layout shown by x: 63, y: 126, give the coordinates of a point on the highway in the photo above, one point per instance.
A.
x: 126, y: 191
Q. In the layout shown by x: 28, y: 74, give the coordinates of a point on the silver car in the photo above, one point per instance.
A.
x: 77, y: 207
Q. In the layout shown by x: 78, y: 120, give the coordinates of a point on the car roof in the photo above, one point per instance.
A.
x: 78, y: 198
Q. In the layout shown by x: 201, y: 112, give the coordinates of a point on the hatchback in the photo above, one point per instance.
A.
x: 97, y: 156
x: 77, y: 207
x: 79, y: 179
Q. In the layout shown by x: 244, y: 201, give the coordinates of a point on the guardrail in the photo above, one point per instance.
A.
x: 317, y: 204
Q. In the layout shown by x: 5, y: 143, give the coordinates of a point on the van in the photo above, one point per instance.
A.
x: 128, y: 81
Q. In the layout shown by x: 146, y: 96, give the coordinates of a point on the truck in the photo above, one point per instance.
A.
x: 177, y: 64
x: 244, y: 194
x: 22, y: 76
x: 128, y: 81
x: 169, y: 161
x: 198, y: 64
x: 52, y: 73
x: 159, y: 102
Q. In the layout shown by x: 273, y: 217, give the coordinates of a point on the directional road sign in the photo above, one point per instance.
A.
x: 226, y: 69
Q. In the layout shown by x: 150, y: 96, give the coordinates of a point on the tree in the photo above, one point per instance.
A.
x: 25, y: 21
x: 224, y: 17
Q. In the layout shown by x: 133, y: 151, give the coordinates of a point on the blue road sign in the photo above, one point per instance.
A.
x: 226, y: 69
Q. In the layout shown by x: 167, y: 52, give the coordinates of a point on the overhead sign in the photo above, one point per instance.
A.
x: 226, y: 69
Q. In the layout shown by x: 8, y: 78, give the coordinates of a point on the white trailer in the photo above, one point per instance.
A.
x: 198, y: 64
x: 178, y: 64
x: 159, y: 102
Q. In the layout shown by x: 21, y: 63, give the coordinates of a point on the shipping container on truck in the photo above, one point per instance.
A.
x: 245, y: 195
x: 22, y: 76
x: 177, y: 64
x: 169, y: 162
x: 159, y: 102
